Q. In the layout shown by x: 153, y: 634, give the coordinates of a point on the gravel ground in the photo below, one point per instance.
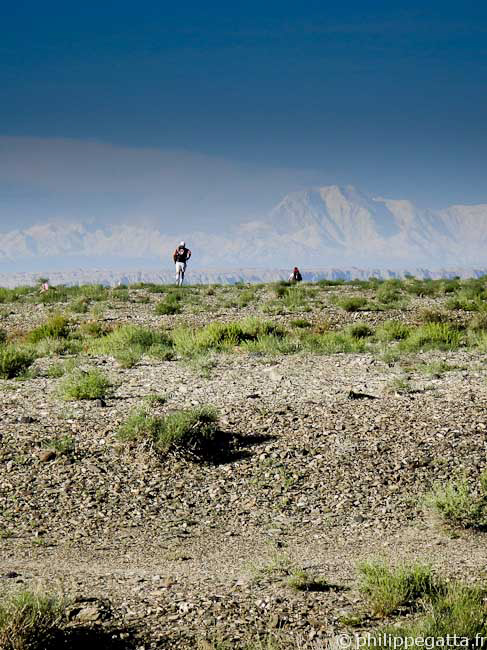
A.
x: 329, y: 466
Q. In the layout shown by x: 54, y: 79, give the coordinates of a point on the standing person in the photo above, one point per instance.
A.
x: 180, y: 256
x: 295, y: 275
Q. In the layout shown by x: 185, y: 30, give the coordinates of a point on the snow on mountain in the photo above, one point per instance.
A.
x: 322, y: 226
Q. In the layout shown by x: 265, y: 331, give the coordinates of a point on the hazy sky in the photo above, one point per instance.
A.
x: 122, y: 110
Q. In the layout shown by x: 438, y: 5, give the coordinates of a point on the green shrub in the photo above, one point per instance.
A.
x: 423, y: 288
x: 14, y: 295
x: 269, y: 344
x: 336, y: 342
x: 478, y: 323
x: 128, y: 358
x: 432, y: 316
x: 393, y: 331
x: 56, y: 327
x: 401, y: 386
x: 480, y: 341
x: 388, y: 295
x: 442, y: 336
x: 55, y: 371
x: 128, y: 343
x: 91, y: 384
x: 360, y: 331
x: 30, y: 621
x: 352, y: 303
x: 223, y: 336
x: 63, y: 445
x: 301, y: 323
x: 386, y: 589
x: 94, y: 329
x: 95, y: 292
x: 193, y: 430
x: 281, y: 288
x: 457, y: 612
x: 246, y: 297
x: 295, y: 297
x: 162, y: 351
x: 51, y: 346
x: 3, y: 336
x: 460, y: 302
x: 436, y: 368
x: 153, y: 399
x: 121, y: 294
x: 330, y: 283
x: 167, y: 308
x: 301, y: 580
x: 80, y: 306
x: 459, y: 505
x: 14, y: 360
x: 54, y: 296
x: 157, y: 288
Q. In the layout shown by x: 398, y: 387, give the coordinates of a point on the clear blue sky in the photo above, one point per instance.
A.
x: 388, y: 96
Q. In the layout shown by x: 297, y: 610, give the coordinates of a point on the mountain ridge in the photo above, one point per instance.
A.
x: 326, y: 225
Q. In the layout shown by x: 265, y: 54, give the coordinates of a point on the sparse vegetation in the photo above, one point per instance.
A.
x: 353, y: 303
x: 460, y: 505
x: 14, y: 360
x: 63, y: 445
x: 82, y: 384
x: 433, y: 316
x: 441, y: 336
x: 401, y: 386
x: 360, y: 331
x: 387, y: 589
x: 31, y: 621
x: 456, y: 612
x: 301, y: 580
x: 310, y: 444
x: 194, y: 430
x: 56, y: 327
x: 128, y: 343
x: 393, y: 331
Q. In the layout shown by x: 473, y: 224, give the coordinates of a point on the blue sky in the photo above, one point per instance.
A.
x: 270, y: 96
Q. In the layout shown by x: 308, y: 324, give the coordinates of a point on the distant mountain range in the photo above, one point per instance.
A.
x: 318, y: 227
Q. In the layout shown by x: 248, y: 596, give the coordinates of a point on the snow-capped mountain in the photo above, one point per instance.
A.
x: 318, y: 227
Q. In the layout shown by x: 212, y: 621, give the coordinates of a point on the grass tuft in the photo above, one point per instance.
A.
x: 458, y: 612
x: 459, y: 505
x: 81, y: 384
x: 194, y: 430
x: 30, y: 621
x: 14, y: 361
x: 352, y: 303
x: 128, y: 343
x: 387, y: 589
x: 56, y: 327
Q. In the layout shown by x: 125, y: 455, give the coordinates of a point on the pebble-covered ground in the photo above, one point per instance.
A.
x: 331, y: 459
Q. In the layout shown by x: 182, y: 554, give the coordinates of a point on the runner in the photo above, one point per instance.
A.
x: 295, y: 275
x: 180, y: 256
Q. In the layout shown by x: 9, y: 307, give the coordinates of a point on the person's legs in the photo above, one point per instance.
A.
x: 179, y: 271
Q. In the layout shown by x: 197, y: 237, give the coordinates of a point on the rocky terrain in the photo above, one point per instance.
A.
x: 331, y: 457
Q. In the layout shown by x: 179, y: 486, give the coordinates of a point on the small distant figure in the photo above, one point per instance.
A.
x: 181, y: 256
x: 44, y: 287
x: 295, y: 276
